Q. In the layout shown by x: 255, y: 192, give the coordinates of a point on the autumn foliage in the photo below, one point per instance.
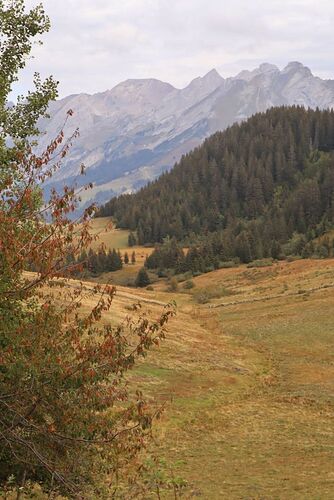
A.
x: 68, y: 418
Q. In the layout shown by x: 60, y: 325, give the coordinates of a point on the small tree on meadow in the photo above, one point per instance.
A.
x: 173, y: 285
x: 142, y: 279
x: 133, y: 257
x: 132, y: 240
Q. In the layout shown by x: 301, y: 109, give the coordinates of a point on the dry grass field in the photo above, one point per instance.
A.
x: 247, y: 378
x: 108, y: 234
x: 248, y: 385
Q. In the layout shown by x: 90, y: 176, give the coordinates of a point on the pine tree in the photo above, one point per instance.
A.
x: 243, y: 249
x: 114, y: 261
x: 276, y: 249
x: 142, y: 278
x: 132, y: 240
x: 93, y: 264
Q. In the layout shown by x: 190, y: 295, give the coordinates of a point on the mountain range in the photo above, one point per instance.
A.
x: 132, y: 133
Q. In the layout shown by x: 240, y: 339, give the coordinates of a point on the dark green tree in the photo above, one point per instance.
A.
x: 276, y: 249
x: 142, y: 278
x: 132, y: 240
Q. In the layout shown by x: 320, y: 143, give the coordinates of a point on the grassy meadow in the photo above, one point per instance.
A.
x: 253, y: 385
x: 247, y: 378
x: 107, y: 234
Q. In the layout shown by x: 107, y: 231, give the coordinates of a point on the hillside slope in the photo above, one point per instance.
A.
x: 254, y: 184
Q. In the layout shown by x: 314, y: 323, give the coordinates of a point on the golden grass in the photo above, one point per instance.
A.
x: 249, y: 386
x: 108, y: 234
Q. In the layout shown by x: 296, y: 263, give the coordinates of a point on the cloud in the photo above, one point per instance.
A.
x: 94, y: 45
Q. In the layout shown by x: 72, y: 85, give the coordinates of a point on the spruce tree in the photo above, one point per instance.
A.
x: 132, y: 240
x: 142, y: 278
x: 133, y: 257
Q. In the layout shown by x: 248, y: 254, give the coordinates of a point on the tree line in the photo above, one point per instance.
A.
x: 102, y: 261
x: 94, y: 262
x: 219, y: 249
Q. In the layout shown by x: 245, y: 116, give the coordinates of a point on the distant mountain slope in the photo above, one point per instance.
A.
x: 140, y: 128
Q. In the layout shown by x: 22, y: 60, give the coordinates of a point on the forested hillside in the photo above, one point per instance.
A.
x: 252, y: 188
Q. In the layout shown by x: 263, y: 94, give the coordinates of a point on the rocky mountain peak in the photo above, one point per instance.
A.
x: 295, y: 66
x: 212, y: 80
x: 213, y: 75
x: 268, y: 68
x: 263, y: 69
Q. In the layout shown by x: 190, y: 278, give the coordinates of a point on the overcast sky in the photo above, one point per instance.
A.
x: 95, y: 44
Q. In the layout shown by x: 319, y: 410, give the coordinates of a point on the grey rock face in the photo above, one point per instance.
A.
x: 140, y: 128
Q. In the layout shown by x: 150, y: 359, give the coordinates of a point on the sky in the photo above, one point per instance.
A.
x: 95, y: 44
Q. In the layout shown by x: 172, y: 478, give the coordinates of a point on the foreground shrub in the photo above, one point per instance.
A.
x: 69, y: 421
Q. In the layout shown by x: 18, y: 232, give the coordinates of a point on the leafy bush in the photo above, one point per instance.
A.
x: 162, y: 273
x: 188, y: 285
x: 323, y: 252
x: 202, y: 297
x: 173, y: 285
x: 292, y: 258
